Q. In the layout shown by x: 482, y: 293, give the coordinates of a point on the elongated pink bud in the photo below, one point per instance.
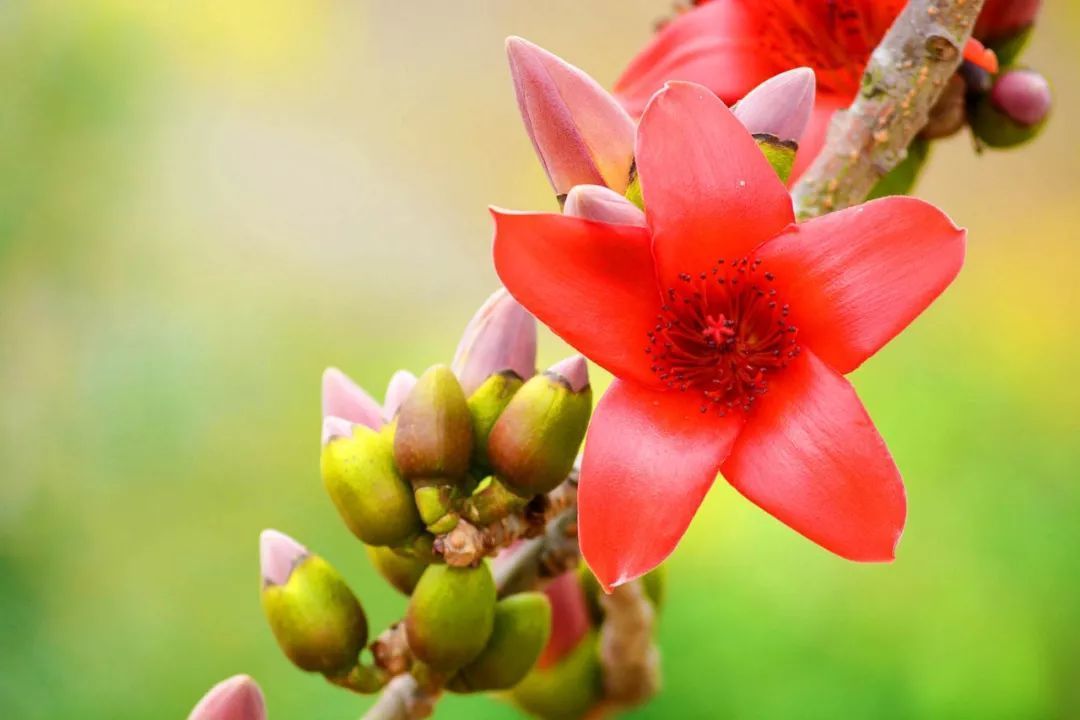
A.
x: 278, y: 555
x: 500, y: 336
x: 595, y: 202
x: 780, y: 106
x: 238, y: 698
x: 343, y: 398
x: 401, y: 383
x: 574, y: 370
x: 581, y: 133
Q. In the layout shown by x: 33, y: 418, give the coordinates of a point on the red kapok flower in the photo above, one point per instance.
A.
x: 730, y: 46
x: 729, y: 329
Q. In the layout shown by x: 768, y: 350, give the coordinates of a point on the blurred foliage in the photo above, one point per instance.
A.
x: 203, y: 204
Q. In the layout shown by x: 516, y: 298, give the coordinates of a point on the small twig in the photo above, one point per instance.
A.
x: 628, y: 654
x: 906, y: 75
x: 402, y: 699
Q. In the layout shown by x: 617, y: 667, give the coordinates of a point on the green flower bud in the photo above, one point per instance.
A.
x: 522, y: 627
x: 534, y: 442
x: 372, y: 498
x: 1015, y: 111
x: 400, y: 571
x: 487, y: 404
x: 451, y: 615
x: 316, y: 619
x: 434, y: 432
x: 492, y: 501
x: 567, y: 690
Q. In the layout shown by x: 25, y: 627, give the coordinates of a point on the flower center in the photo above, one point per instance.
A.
x: 722, y: 333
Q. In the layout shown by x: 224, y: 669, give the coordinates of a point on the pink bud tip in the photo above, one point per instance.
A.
x: 500, y: 336
x: 594, y: 202
x: 399, y: 387
x: 581, y: 133
x: 343, y: 398
x: 574, y: 370
x: 1023, y: 96
x: 780, y: 106
x: 278, y: 555
x: 334, y: 428
x: 238, y: 698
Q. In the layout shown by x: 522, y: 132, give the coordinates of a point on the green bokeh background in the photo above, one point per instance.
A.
x: 202, y: 204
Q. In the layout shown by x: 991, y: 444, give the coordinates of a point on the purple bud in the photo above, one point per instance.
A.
x: 594, y: 202
x: 1023, y: 96
x: 574, y: 370
x: 343, y: 398
x: 579, y: 130
x: 780, y: 106
x: 278, y: 555
x: 238, y: 698
x: 401, y: 383
x: 500, y: 336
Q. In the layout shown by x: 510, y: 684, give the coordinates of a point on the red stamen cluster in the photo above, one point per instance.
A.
x: 722, y: 333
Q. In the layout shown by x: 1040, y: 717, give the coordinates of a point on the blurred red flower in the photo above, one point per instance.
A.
x: 728, y: 328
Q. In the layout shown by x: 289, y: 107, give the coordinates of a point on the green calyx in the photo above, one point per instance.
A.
x: 451, y: 615
x: 434, y: 433
x: 779, y: 153
x: 373, y: 499
x: 564, y: 691
x: 486, y: 405
x: 400, y: 571
x: 316, y: 619
x: 521, y: 630
x: 534, y: 442
x: 997, y: 130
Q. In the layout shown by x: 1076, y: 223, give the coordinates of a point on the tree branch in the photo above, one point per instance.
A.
x: 906, y: 75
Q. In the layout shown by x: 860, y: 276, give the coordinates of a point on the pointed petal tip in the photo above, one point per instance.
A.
x: 500, y: 336
x: 781, y: 106
x: 596, y: 202
x: 278, y: 554
x: 334, y: 428
x: 400, y: 385
x: 343, y: 398
x: 574, y: 370
x: 236, y: 698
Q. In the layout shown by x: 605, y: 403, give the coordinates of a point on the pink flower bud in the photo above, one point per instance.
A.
x: 594, y: 202
x: 581, y: 133
x: 500, y: 336
x: 1023, y: 96
x: 574, y: 370
x: 238, y: 698
x: 343, y: 398
x: 780, y: 106
x: 401, y: 383
x: 278, y: 555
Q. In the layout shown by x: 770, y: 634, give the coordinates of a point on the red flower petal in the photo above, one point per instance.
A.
x: 813, y: 138
x: 856, y: 278
x: 650, y: 457
x: 809, y: 455
x: 715, y: 44
x: 593, y: 284
x: 709, y: 192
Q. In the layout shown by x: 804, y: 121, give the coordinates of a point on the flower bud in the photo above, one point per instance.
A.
x: 315, y: 617
x: 342, y: 398
x: 567, y: 690
x: 451, y: 614
x: 373, y: 499
x: 594, y: 202
x: 521, y: 629
x: 580, y: 132
x: 435, y: 502
x: 500, y: 337
x: 400, y: 571
x: 776, y: 113
x: 434, y: 436
x: 400, y: 385
x: 1015, y: 111
x: 486, y: 405
x: 534, y: 442
x: 238, y: 698
x: 491, y: 501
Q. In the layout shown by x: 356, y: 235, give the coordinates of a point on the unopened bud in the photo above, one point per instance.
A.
x: 580, y: 132
x: 500, y: 337
x: 316, y: 619
x: 400, y: 571
x: 400, y: 385
x: 1015, y: 111
x: 594, y: 202
x: 434, y: 436
x: 568, y: 689
x: 238, y: 698
x: 491, y: 501
x: 520, y: 631
x: 342, y: 398
x: 776, y: 113
x: 534, y: 442
x: 373, y: 499
x: 486, y: 405
x: 451, y: 614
